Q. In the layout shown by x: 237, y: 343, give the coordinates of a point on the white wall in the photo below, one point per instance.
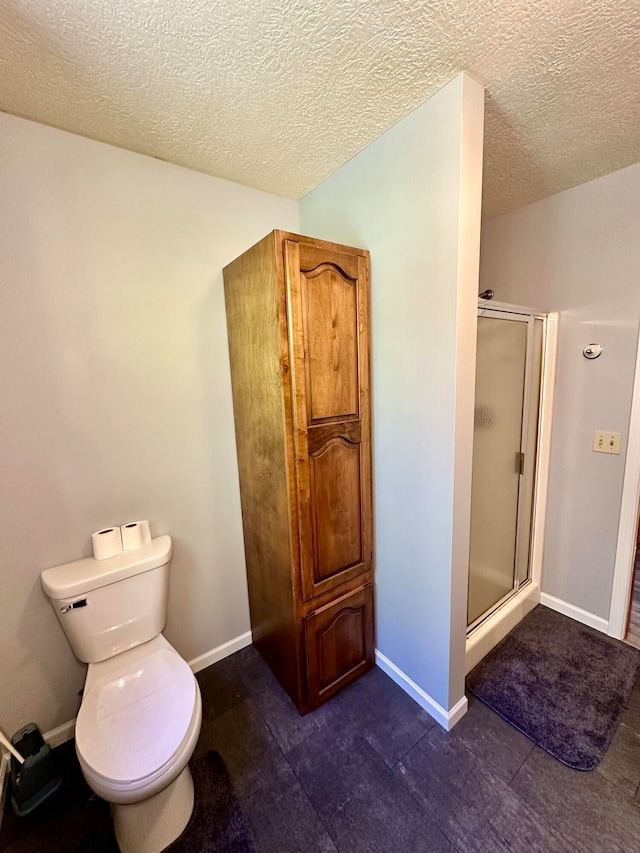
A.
x: 116, y: 396
x: 413, y: 198
x: 578, y: 252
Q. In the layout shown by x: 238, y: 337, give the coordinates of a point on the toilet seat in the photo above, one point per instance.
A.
x: 140, y: 715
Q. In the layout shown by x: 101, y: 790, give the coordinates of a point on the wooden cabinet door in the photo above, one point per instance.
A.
x: 339, y: 644
x: 328, y: 322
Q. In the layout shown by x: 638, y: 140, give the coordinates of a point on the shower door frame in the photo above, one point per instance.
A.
x: 494, y: 624
x: 495, y: 313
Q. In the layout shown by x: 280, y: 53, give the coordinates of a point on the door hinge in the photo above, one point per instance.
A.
x: 520, y: 462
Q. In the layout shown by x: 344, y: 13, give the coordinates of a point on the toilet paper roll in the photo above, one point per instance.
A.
x: 106, y: 543
x: 146, y: 532
x: 132, y: 536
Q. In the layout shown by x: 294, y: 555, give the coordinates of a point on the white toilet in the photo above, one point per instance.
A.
x: 141, y: 709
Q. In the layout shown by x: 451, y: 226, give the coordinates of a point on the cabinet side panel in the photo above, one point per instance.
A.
x: 251, y: 296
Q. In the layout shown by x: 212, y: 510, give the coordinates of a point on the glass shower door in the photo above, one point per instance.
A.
x: 498, y: 460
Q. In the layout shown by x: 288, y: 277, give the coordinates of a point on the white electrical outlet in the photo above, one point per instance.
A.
x: 606, y: 442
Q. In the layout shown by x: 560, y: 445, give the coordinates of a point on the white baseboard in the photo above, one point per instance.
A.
x: 574, y: 612
x: 66, y: 731
x: 61, y: 734
x: 220, y: 652
x: 447, y: 719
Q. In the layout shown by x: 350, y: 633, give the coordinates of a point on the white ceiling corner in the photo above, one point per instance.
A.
x: 277, y: 94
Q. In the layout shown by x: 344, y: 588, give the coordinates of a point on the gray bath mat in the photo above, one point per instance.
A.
x: 560, y: 683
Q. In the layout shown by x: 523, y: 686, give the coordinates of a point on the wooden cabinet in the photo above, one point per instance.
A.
x: 298, y: 324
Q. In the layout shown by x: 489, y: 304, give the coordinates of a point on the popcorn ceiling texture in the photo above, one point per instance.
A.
x: 278, y: 94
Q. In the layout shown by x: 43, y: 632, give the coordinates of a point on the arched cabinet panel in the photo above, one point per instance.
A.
x: 330, y: 318
x: 339, y: 643
x: 298, y: 324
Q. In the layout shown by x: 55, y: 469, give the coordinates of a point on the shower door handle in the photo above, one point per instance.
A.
x: 520, y: 463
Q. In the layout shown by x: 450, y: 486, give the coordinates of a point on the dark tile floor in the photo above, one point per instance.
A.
x: 370, y: 771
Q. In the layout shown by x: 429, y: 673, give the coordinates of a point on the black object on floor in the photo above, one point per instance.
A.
x: 217, y: 823
x: 35, y: 780
x: 562, y: 684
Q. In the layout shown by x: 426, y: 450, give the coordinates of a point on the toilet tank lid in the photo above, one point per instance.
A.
x: 72, y: 579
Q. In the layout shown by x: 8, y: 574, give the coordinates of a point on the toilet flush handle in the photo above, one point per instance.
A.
x: 81, y: 602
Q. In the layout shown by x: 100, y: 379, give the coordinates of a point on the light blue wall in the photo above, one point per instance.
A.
x: 402, y: 199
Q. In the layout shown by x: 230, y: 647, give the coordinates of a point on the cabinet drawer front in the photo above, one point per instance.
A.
x: 339, y: 644
x: 328, y: 317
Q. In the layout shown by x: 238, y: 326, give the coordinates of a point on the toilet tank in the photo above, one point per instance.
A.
x: 108, y: 606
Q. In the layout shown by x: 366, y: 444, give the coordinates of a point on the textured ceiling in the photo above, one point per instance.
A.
x: 277, y: 94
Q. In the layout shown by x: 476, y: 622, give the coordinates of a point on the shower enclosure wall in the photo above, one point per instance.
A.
x: 514, y: 375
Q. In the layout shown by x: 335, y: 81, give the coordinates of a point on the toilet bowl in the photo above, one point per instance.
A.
x: 138, y: 722
x: 141, y: 709
x: 136, y: 730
